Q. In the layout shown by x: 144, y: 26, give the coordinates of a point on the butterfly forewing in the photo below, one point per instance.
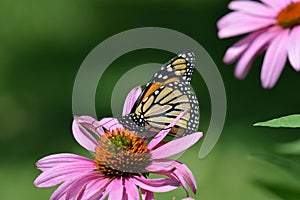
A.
x: 165, y: 96
x: 181, y: 67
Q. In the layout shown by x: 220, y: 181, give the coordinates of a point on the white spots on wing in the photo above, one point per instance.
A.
x: 145, y: 99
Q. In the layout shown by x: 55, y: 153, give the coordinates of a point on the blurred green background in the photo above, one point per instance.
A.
x: 42, y: 45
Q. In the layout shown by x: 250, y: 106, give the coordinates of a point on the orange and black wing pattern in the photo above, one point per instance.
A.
x: 165, y: 96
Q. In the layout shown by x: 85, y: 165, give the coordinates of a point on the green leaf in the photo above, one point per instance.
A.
x: 289, y: 148
x: 284, y: 189
x: 290, y: 166
x: 291, y: 121
x: 287, y: 192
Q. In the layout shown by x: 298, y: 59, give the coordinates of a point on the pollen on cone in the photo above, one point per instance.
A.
x: 289, y: 16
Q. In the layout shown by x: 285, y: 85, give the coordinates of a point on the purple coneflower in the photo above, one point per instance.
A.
x: 274, y: 26
x: 121, y: 164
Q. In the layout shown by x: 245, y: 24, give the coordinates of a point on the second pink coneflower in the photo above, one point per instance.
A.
x: 274, y: 27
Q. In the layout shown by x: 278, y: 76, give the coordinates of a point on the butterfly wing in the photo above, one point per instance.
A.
x: 181, y: 67
x: 165, y: 96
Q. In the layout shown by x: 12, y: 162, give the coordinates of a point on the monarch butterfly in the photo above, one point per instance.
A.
x: 164, y: 97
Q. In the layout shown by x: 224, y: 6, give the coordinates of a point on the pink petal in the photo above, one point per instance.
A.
x: 274, y: 60
x: 176, y: 146
x: 110, y: 123
x: 116, y: 191
x: 156, y: 185
x: 147, y: 195
x: 131, y: 99
x: 60, y: 192
x: 184, y: 172
x: 158, y: 166
x: 180, y: 179
x: 277, y: 5
x: 235, y: 17
x: 293, y: 48
x: 174, y: 169
x: 78, y: 186
x: 239, y: 47
x: 104, y: 194
x: 257, y: 44
x: 62, y: 173
x: 96, y: 189
x: 91, y: 124
x: 233, y: 24
x: 83, y: 124
x: 252, y: 8
x: 131, y: 190
x: 59, y: 159
x: 82, y: 136
x: 163, y: 133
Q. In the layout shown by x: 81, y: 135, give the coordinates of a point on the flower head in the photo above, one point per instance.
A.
x: 121, y: 163
x: 273, y: 25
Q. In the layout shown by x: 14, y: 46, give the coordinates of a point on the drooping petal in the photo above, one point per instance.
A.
x: 110, y: 123
x: 176, y: 146
x: 61, y: 173
x: 293, y: 48
x: 131, y: 190
x: 82, y: 136
x: 165, y: 168
x: 116, y: 191
x: 131, y: 99
x: 274, y: 60
x: 96, y: 189
x: 236, y: 50
x: 252, y: 8
x: 147, y: 195
x: 244, y: 64
x: 183, y: 171
x: 60, y: 192
x: 233, y: 24
x: 156, y: 185
x: 163, y: 133
x: 176, y: 169
x: 78, y: 186
x: 105, y: 193
x: 60, y: 159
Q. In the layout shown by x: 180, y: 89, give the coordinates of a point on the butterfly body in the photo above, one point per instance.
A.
x: 165, y: 96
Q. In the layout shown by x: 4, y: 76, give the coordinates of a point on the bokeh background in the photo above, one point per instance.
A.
x: 42, y: 45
